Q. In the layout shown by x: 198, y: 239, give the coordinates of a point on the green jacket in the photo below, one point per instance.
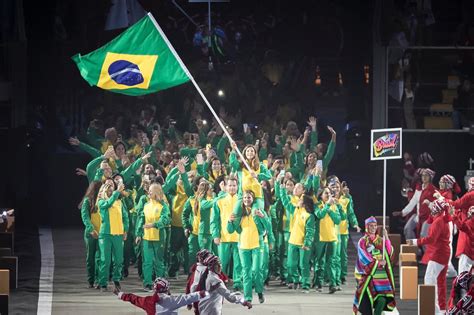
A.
x: 264, y: 226
x: 205, y: 207
x: 86, y: 216
x: 104, y: 206
x: 161, y: 223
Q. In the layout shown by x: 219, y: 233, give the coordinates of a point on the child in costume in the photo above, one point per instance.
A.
x: 212, y: 282
x: 461, y: 301
x: 161, y: 302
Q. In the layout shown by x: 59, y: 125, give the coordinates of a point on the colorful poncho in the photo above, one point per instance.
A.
x: 373, y: 280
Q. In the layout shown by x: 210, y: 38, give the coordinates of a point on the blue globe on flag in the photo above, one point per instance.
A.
x: 126, y: 73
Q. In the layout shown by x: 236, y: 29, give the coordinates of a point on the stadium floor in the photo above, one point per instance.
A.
x: 70, y: 295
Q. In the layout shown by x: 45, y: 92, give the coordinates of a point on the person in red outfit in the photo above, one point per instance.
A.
x: 448, y: 187
x: 464, y: 250
x: 423, y: 192
x: 466, y: 225
x: 161, y: 302
x: 437, y: 252
x: 461, y: 301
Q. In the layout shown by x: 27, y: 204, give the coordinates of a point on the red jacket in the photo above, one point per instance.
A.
x: 424, y: 210
x: 464, y: 245
x: 437, y: 242
x: 463, y: 203
x: 466, y: 226
x: 147, y: 303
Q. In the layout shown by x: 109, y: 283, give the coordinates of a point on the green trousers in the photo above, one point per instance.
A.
x: 283, y: 238
x: 299, y: 259
x: 205, y: 241
x: 337, y: 263
x: 92, y: 258
x: 193, y: 248
x: 273, y: 263
x: 325, y: 251
x: 198, y: 242
x: 153, y: 260
x: 178, y: 251
x: 166, y: 246
x: 230, y: 251
x: 139, y: 255
x: 251, y: 260
x: 265, y: 262
x: 129, y: 245
x: 342, y: 259
x: 110, y: 246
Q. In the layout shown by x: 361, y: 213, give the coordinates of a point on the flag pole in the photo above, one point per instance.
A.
x: 183, y: 66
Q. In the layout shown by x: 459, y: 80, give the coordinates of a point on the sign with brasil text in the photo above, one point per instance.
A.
x: 386, y: 144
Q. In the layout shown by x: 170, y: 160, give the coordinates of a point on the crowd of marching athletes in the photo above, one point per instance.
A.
x: 156, y: 203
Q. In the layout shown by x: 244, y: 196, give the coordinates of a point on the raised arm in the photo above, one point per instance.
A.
x: 105, y: 204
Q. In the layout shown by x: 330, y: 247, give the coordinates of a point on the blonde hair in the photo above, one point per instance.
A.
x: 155, y: 191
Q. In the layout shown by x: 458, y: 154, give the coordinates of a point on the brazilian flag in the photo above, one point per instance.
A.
x: 137, y: 62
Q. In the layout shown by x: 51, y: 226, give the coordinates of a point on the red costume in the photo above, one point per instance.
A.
x: 463, y: 204
x: 466, y: 226
x: 438, y: 249
x: 465, y: 305
x: 147, y: 303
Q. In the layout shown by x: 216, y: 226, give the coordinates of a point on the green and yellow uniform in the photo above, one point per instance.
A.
x: 347, y: 219
x: 247, y: 182
x: 301, y: 236
x: 228, y: 247
x: 91, y: 220
x: 114, y: 225
x: 329, y: 217
x: 197, y: 220
x: 179, y: 243
x: 252, y: 229
x: 156, y: 213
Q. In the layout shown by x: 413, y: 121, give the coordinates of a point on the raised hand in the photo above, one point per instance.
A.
x: 185, y: 160
x: 333, y: 133
x: 294, y: 144
x: 120, y: 187
x: 312, y: 122
x: 110, y: 152
x: 146, y: 156
x: 277, y: 139
x: 80, y: 172
x: 199, y: 159
x: 74, y: 141
x: 181, y: 167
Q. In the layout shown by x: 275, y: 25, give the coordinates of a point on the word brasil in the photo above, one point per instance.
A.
x: 385, y: 144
